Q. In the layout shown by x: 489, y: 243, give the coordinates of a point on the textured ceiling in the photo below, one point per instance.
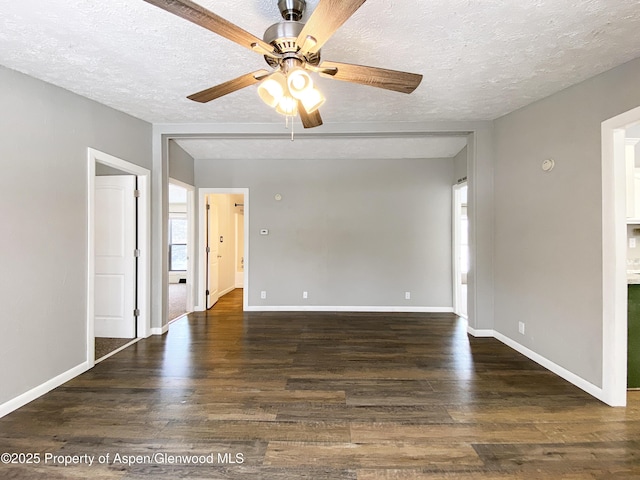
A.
x: 480, y: 58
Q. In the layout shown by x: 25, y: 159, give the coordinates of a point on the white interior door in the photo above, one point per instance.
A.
x: 213, y: 252
x: 115, y: 229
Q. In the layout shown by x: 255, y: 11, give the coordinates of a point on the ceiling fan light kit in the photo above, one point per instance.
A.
x: 292, y: 50
x: 283, y: 93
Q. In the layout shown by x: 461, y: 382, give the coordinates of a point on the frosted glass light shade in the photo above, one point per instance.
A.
x: 312, y: 100
x: 272, y: 89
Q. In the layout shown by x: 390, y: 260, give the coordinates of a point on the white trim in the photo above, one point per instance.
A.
x: 160, y: 330
x: 480, y: 333
x: 144, y: 242
x: 36, y: 392
x: 349, y: 308
x: 202, y: 193
x: 614, y: 252
x: 571, y: 377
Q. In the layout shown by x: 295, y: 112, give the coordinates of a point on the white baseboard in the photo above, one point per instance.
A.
x: 41, y: 389
x: 570, y: 377
x: 160, y: 330
x: 349, y: 308
x: 480, y: 332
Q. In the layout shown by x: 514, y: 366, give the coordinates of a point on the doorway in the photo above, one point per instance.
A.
x: 614, y: 256
x: 460, y: 249
x: 180, y: 235
x: 224, y: 245
x: 118, y: 254
x: 632, y: 167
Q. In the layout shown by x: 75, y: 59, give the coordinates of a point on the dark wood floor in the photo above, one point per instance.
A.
x: 321, y: 396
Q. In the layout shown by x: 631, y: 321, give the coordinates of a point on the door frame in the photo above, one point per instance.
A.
x: 614, y: 254
x: 202, y: 242
x: 456, y: 234
x: 191, y: 190
x: 144, y: 244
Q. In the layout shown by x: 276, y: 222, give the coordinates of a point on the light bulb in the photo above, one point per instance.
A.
x: 287, y: 106
x: 298, y: 82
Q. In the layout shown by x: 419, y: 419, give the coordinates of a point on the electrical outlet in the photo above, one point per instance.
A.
x: 263, y: 294
x: 305, y: 295
x: 521, y: 327
x: 407, y: 295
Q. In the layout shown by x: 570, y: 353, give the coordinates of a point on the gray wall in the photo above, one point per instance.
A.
x: 548, y: 226
x: 350, y: 232
x: 43, y: 203
x: 181, y: 164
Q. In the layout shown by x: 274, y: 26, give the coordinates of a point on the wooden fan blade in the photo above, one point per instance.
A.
x: 229, y: 87
x: 328, y: 16
x: 309, y: 120
x: 201, y: 16
x: 403, y: 82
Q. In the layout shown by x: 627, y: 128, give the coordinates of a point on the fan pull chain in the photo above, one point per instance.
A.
x: 292, y: 123
x: 287, y: 119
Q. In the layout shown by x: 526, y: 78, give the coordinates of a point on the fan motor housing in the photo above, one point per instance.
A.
x: 283, y: 36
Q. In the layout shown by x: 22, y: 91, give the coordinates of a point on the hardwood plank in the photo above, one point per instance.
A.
x: 412, y: 414
x: 388, y: 432
x: 298, y: 431
x: 359, y: 455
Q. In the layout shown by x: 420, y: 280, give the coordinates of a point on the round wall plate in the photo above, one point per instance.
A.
x: 278, y: 197
x: 548, y: 164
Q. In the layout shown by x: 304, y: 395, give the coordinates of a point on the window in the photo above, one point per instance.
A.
x: 177, y: 243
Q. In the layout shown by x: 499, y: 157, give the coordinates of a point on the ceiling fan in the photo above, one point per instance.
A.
x: 292, y: 49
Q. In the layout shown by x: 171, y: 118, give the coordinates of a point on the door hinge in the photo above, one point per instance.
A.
x: 136, y: 252
x: 136, y: 193
x: 208, y: 206
x: 136, y: 312
x: 207, y: 292
x: 208, y: 250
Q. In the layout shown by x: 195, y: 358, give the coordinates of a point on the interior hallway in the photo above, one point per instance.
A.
x: 323, y: 396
